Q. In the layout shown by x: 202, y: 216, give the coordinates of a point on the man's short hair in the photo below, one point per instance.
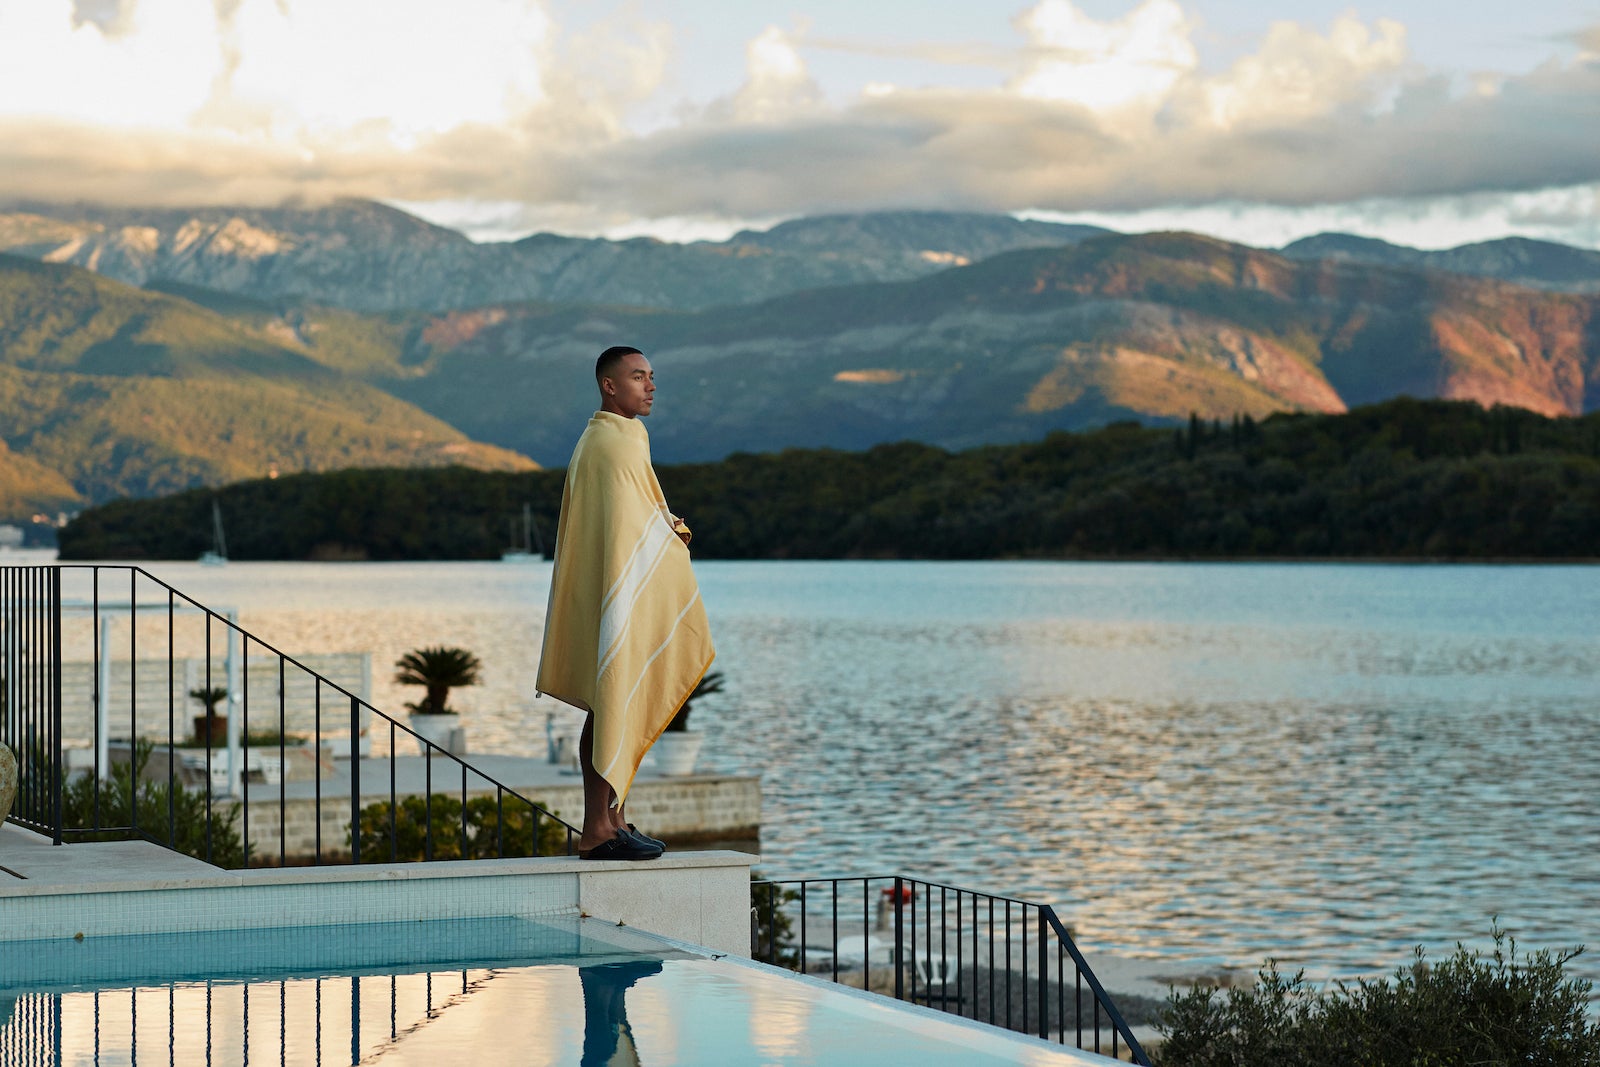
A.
x: 611, y: 357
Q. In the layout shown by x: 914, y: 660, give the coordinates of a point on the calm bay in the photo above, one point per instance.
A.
x: 1207, y: 764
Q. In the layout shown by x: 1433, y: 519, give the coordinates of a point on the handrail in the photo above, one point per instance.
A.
x: 1102, y: 998
x: 31, y: 718
x: 983, y: 985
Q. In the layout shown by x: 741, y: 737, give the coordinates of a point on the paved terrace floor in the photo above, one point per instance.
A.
x: 30, y: 856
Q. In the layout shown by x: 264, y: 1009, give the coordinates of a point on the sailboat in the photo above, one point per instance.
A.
x: 217, y: 555
x: 530, y: 536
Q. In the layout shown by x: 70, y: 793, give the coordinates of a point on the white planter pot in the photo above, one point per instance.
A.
x: 435, y: 728
x: 675, y: 752
x: 338, y: 746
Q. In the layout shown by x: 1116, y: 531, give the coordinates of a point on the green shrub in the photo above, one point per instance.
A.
x: 161, y: 807
x: 506, y: 830
x: 773, y: 934
x: 1470, y: 1009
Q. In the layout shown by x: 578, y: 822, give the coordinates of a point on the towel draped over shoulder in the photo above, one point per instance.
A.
x: 625, y: 634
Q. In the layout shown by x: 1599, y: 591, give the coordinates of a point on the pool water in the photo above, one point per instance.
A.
x: 553, y: 991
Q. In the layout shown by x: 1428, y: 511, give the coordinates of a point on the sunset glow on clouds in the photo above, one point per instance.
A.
x: 496, y: 111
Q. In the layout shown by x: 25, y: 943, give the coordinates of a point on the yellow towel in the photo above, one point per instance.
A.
x: 625, y: 634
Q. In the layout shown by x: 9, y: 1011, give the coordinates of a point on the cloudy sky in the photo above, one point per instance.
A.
x: 1422, y: 121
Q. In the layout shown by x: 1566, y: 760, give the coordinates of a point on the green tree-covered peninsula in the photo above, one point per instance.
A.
x: 1405, y: 479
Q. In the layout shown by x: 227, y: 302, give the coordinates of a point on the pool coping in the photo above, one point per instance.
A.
x: 699, y: 897
x: 27, y: 886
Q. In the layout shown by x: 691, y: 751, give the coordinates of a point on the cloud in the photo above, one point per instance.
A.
x: 312, y: 69
x: 963, y: 54
x: 55, y: 67
x: 1571, y: 215
x: 1300, y: 75
x: 486, y: 102
x: 1116, y: 116
x: 1589, y: 41
x: 190, y: 100
x: 1120, y: 70
x: 777, y: 84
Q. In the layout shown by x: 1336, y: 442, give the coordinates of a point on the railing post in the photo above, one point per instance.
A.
x: 355, y: 780
x: 58, y: 778
x: 899, y: 940
x: 1044, y: 979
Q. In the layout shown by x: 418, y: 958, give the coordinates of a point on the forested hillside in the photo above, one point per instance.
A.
x: 107, y: 390
x: 1404, y: 479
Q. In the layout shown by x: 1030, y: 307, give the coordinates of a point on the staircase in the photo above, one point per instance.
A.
x: 96, y: 665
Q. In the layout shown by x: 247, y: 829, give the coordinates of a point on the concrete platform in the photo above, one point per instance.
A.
x: 30, y: 858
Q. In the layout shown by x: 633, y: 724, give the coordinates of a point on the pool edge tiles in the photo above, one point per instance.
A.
x: 294, y: 953
x: 242, y: 903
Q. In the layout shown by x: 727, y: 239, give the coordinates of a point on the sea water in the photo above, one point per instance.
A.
x: 1207, y: 764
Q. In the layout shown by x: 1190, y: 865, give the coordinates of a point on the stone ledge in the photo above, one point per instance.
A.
x: 700, y: 897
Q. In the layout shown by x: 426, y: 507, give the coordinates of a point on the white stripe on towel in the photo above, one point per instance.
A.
x: 662, y: 647
x: 617, y: 610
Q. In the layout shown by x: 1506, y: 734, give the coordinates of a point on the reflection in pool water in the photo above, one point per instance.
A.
x: 607, y: 1037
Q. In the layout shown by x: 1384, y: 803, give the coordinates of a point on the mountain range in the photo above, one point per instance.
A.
x: 158, y: 349
x: 370, y: 257
x: 1522, y: 260
x: 367, y: 256
x: 1149, y: 327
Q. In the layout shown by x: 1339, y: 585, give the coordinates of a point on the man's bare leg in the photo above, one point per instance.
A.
x: 599, y: 817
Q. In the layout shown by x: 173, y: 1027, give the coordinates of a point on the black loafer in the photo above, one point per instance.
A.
x: 640, y: 836
x: 621, y: 847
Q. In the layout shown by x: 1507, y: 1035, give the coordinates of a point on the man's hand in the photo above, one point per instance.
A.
x: 681, y: 528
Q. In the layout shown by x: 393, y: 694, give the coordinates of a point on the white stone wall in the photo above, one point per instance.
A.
x: 721, y: 806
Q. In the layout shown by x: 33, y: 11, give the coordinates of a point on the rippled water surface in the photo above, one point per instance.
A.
x: 1210, y: 764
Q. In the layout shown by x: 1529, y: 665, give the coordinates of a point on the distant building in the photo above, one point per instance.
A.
x: 10, y: 536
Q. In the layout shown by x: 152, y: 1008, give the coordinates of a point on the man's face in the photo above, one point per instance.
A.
x: 630, y: 389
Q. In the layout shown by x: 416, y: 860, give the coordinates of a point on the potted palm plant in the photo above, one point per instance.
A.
x: 678, y: 747
x: 438, y: 670
x: 210, y: 728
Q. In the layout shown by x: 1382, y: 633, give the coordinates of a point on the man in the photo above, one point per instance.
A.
x: 625, y: 636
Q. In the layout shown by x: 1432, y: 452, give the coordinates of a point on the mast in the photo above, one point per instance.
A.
x: 216, y: 530
x: 530, y: 530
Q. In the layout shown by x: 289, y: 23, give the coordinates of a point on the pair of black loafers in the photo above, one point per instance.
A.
x: 628, y: 844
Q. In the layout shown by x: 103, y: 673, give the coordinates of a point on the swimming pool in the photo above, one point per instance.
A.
x: 553, y: 990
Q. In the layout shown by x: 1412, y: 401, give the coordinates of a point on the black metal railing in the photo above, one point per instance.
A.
x: 30, y: 652
x: 72, y: 684
x: 994, y: 959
